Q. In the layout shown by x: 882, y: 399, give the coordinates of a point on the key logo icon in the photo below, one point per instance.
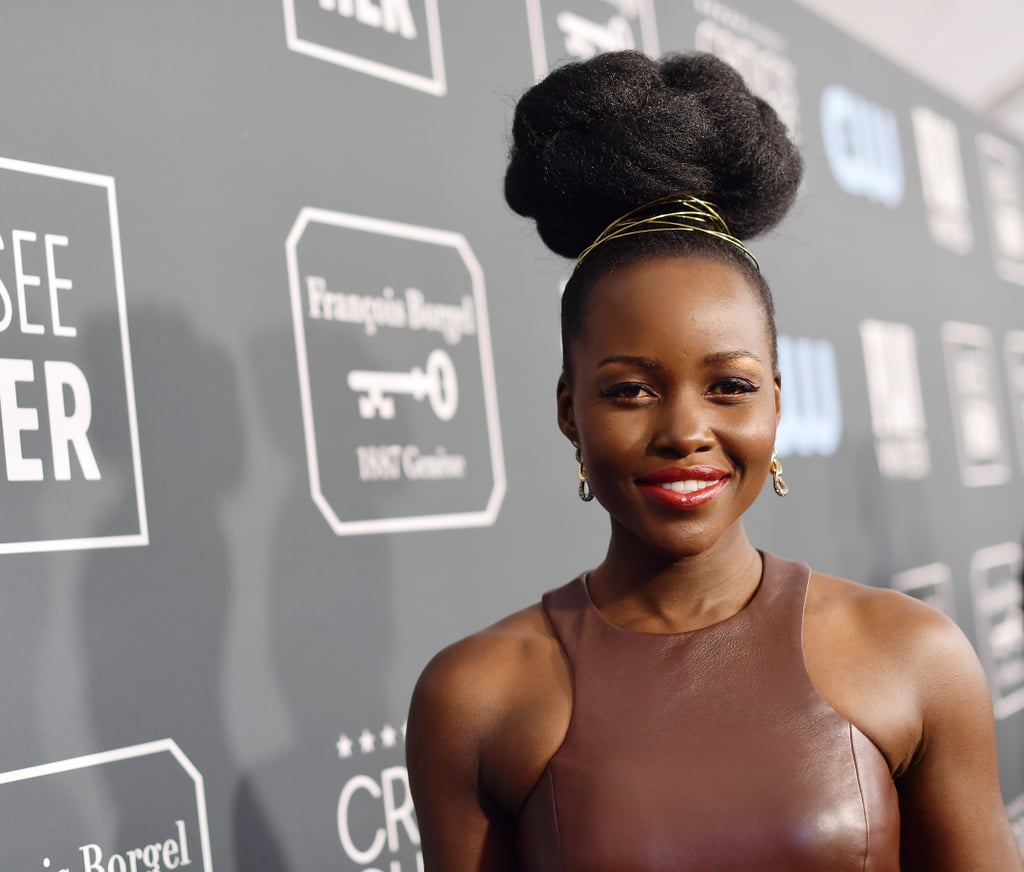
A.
x: 437, y: 383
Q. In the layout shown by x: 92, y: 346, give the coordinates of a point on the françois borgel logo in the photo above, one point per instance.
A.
x: 61, y: 298
x: 395, y: 40
x: 135, y: 809
x: 396, y: 375
x: 579, y: 29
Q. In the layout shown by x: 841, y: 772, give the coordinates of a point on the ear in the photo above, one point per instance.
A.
x: 778, y: 398
x: 566, y: 414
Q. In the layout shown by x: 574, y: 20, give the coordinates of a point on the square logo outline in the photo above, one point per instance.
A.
x: 993, y: 149
x: 126, y: 540
x: 979, y: 337
x: 1014, y: 349
x: 1009, y: 554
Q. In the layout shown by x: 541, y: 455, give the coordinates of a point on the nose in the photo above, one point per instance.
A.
x: 681, y: 427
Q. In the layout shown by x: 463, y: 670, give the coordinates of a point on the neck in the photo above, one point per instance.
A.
x: 646, y: 591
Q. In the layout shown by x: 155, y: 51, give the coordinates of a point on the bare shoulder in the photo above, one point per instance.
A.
x: 477, y: 674
x: 886, y: 620
x: 889, y: 663
x: 482, y: 718
x: 906, y: 675
x: 493, y: 706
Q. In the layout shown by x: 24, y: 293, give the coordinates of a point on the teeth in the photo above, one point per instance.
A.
x: 687, y: 486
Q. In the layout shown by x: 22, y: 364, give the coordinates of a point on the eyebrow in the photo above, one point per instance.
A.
x: 631, y: 360
x: 708, y: 359
x: 727, y: 356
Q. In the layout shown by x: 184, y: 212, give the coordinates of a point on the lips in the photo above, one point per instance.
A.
x: 684, y: 488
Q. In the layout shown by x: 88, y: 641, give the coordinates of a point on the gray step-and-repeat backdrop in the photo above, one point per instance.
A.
x: 277, y: 374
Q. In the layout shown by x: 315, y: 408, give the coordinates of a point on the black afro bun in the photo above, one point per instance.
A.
x: 596, y: 139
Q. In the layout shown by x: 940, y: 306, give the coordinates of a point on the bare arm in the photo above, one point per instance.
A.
x: 908, y: 678
x: 452, y: 714
x: 953, y: 818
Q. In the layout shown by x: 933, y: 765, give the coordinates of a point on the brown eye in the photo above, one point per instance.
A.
x: 733, y: 387
x: 627, y: 391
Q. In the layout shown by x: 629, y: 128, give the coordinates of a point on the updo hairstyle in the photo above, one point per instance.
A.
x: 596, y: 139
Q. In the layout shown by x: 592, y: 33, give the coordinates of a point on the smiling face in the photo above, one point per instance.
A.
x: 674, y: 401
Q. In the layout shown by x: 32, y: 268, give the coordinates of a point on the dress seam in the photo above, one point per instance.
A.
x: 554, y: 809
x: 863, y: 803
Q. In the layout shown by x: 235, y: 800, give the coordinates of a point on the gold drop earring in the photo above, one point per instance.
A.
x: 585, y: 493
x: 776, y: 469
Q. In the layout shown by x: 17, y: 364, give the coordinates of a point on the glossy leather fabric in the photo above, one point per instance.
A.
x: 709, y: 750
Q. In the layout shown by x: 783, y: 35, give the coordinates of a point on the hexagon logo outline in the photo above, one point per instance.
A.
x: 435, y: 83
x: 538, y: 47
x: 445, y: 238
x: 116, y: 755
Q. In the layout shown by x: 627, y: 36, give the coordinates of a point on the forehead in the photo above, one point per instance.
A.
x: 676, y: 304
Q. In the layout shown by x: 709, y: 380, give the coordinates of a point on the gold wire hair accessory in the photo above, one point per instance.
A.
x: 776, y: 470
x: 672, y: 213
x: 585, y: 493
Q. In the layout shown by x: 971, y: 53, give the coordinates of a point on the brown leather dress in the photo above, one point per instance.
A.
x: 708, y: 751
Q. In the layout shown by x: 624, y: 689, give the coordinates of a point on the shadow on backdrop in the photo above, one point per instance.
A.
x: 331, y: 643
x: 153, y: 618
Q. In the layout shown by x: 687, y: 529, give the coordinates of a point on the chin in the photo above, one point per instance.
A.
x: 673, y: 545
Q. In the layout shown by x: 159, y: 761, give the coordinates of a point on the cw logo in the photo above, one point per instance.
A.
x: 862, y: 143
x: 812, y: 416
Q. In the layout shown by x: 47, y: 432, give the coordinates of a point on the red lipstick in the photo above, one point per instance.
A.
x: 713, y: 481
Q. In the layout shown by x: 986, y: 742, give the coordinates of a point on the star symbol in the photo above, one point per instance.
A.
x: 367, y: 743
x: 388, y: 736
x: 344, y: 747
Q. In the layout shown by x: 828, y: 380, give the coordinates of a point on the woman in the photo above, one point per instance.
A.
x: 691, y: 703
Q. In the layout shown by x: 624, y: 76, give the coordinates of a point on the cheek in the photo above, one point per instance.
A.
x: 613, y: 444
x: 754, y: 437
x: 610, y: 445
